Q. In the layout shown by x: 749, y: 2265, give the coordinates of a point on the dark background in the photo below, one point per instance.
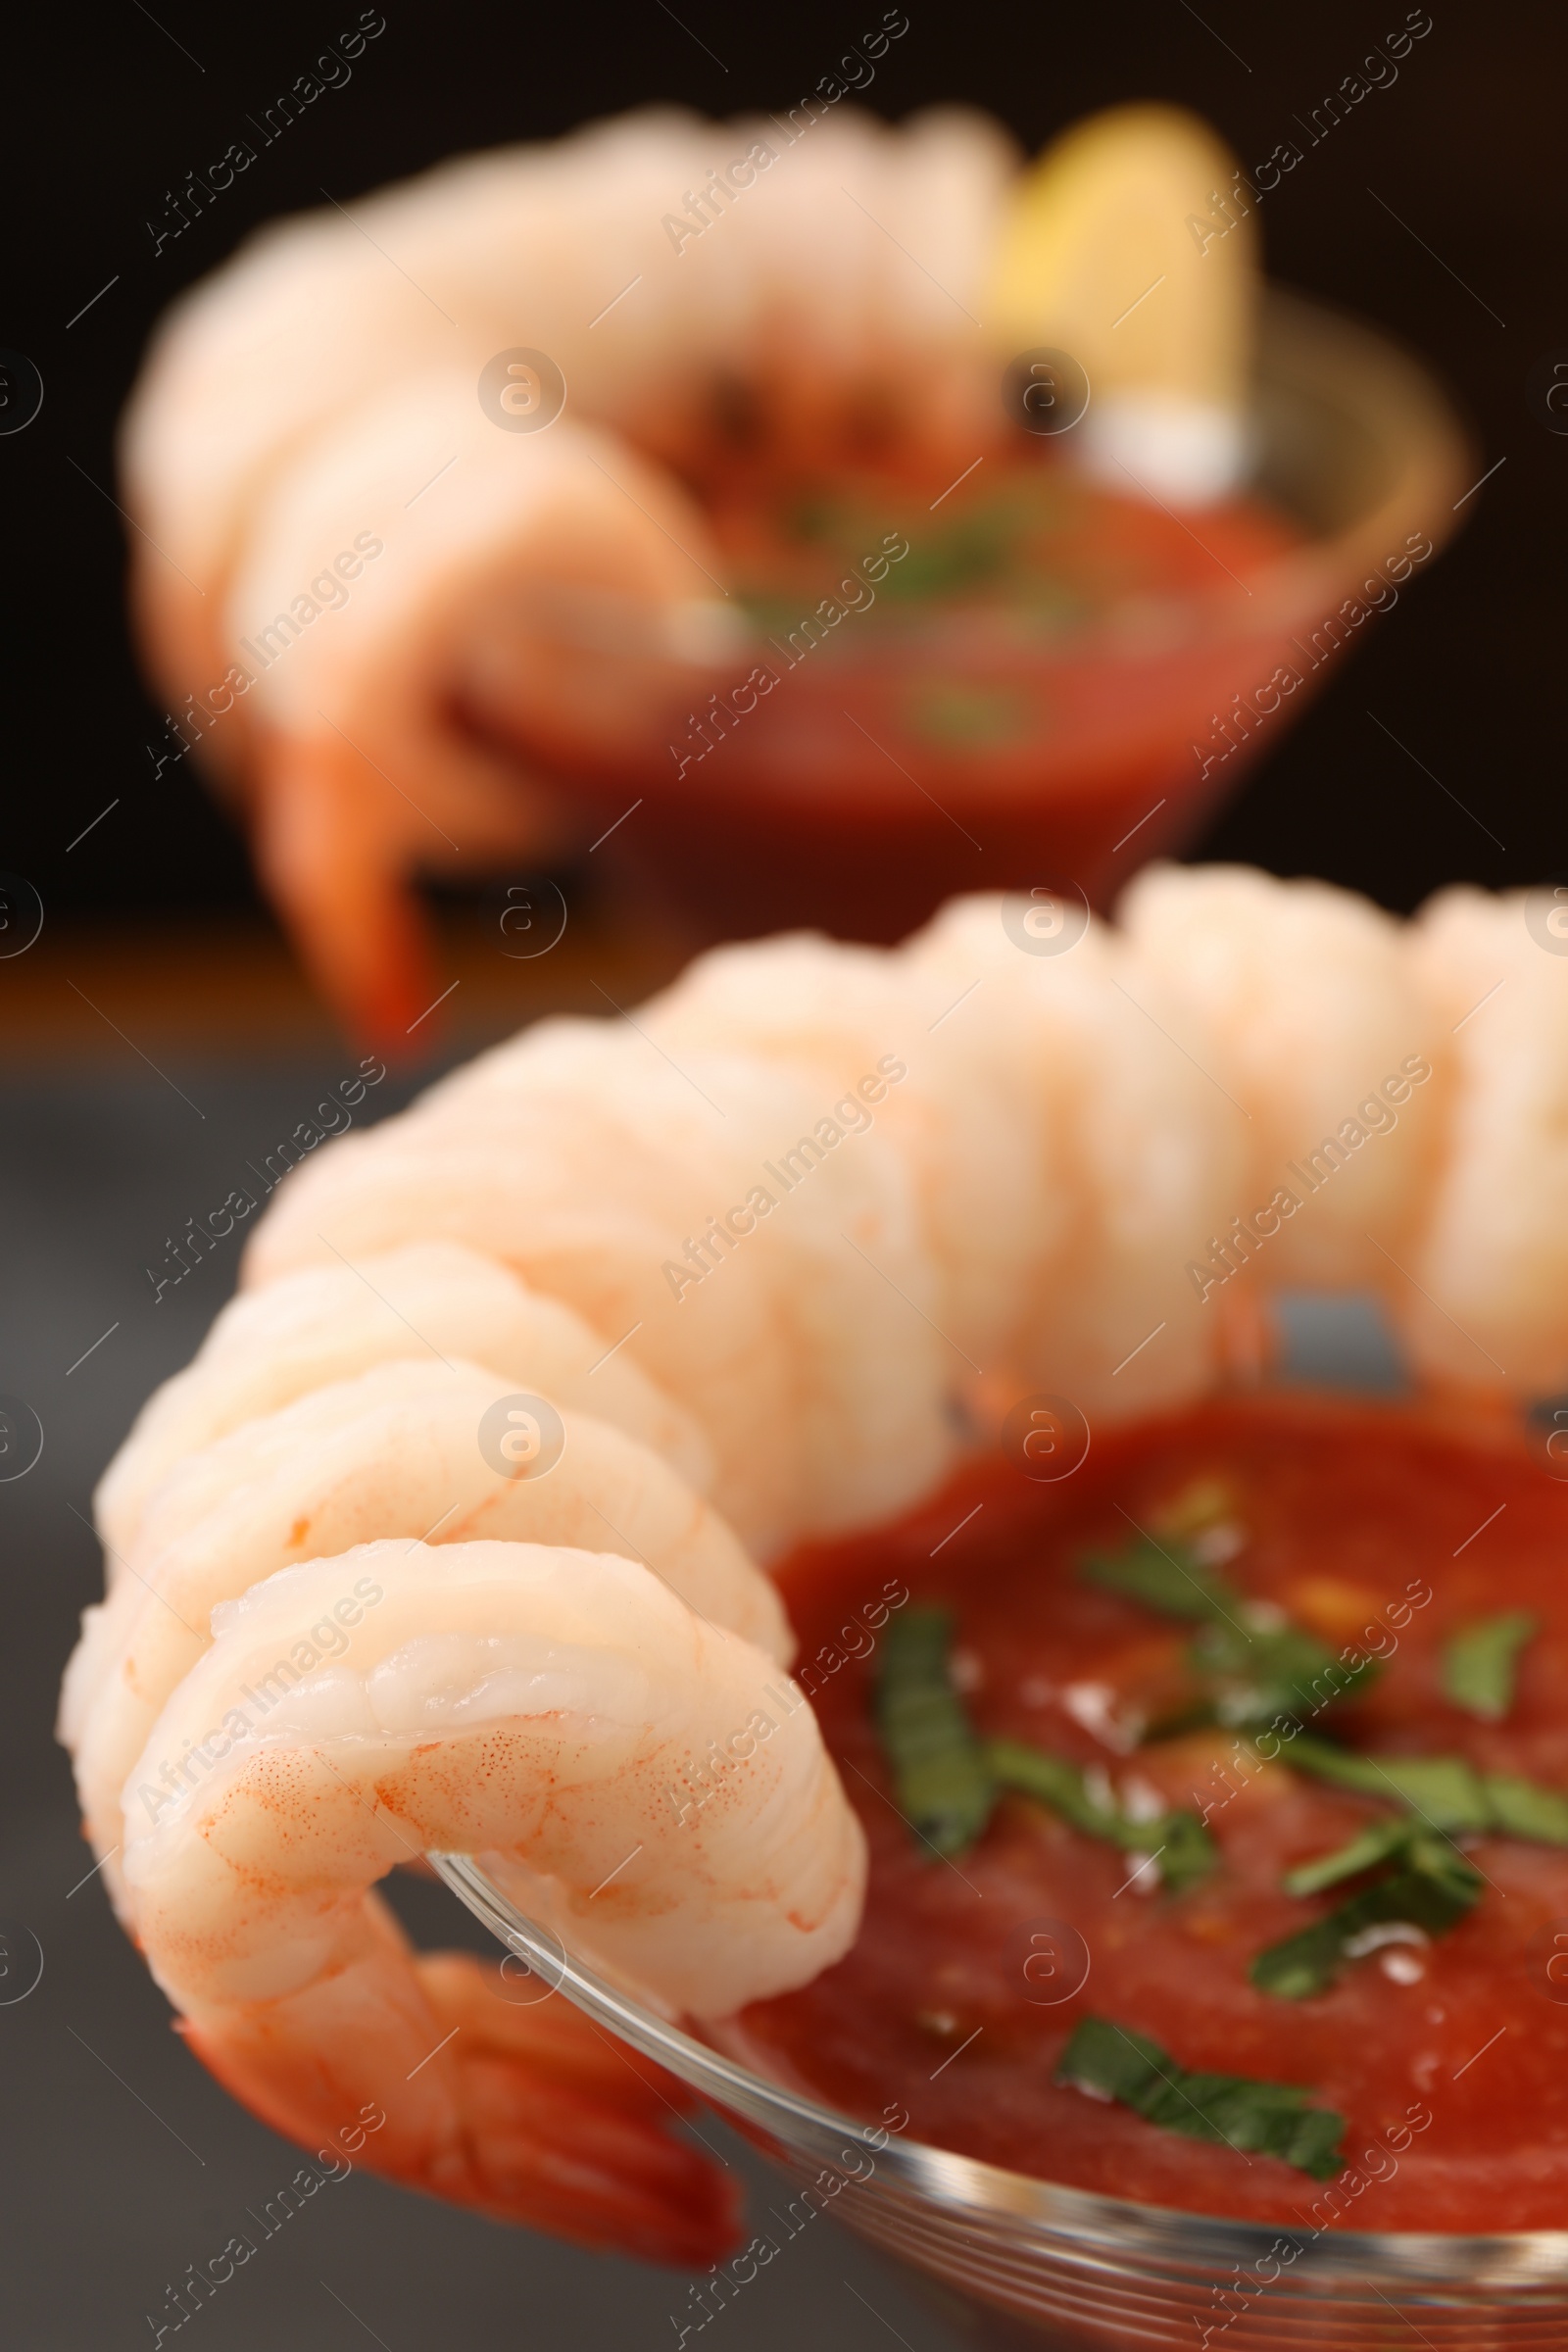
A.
x: 107, y: 113
x: 125, y: 2161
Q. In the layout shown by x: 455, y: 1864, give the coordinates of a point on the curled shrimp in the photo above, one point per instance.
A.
x: 381, y: 614
x: 328, y: 1323
x: 520, y: 1700
x: 1490, y: 1264
x: 391, y: 1453
x: 788, y: 1337
x: 342, y: 560
x: 971, y: 1172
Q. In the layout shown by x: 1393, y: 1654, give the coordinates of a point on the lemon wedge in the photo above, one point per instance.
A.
x: 1131, y: 246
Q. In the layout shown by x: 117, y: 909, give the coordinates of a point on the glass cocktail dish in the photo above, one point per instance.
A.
x: 1014, y: 2259
x: 931, y: 745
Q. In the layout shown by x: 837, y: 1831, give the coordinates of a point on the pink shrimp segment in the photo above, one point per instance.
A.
x: 530, y: 2116
x: 527, y: 1702
x: 335, y: 880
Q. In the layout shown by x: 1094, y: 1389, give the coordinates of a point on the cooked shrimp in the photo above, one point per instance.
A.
x: 354, y: 1462
x: 1313, y: 998
x: 1132, y: 1150
x: 369, y: 605
x: 1049, y: 1141
x: 318, y: 399
x: 1007, y: 1175
x: 1077, y: 1131
x: 433, y: 1297
x: 538, y: 1703
x: 1483, y: 1301
x: 966, y: 1136
x: 364, y: 701
x: 810, y: 1325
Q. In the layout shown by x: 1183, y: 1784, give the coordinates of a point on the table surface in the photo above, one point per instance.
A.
x: 140, y: 1075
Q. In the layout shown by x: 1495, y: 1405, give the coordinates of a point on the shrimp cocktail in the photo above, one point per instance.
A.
x: 781, y: 1498
x: 782, y: 1484
x: 803, y: 521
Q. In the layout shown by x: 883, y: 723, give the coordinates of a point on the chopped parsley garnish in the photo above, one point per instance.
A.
x: 984, y: 543
x: 1261, y: 2119
x: 1256, y: 1674
x: 1521, y: 1809
x: 1250, y: 1664
x: 1446, y: 1791
x: 1176, y: 1841
x: 942, y: 1781
x: 1431, y: 1885
x: 978, y: 546
x: 1378, y: 1843
x: 1165, y: 1576
x: 946, y: 1778
x: 1433, y: 1889
x: 1481, y: 1663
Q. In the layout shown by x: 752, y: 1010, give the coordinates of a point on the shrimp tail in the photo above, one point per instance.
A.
x: 340, y: 888
x: 526, y: 2114
x: 579, y: 2128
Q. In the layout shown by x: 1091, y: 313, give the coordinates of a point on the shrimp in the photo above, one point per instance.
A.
x: 382, y: 619
x: 1130, y: 1150
x: 342, y: 562
x: 529, y: 1701
x: 395, y: 1453
x: 1314, y: 998
x: 998, y: 1167
x: 341, y: 711
x: 324, y: 1325
x: 750, y: 1264
x: 972, y: 1149
x: 989, y: 1173
x: 1483, y: 1303
x: 1086, y: 1139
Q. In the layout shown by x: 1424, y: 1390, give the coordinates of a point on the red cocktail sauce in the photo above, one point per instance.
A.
x: 1380, y: 1529
x: 957, y: 685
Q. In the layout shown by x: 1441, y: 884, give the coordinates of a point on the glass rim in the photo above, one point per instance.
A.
x: 988, y: 2198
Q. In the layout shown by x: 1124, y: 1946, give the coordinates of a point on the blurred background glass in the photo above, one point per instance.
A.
x: 1427, y: 210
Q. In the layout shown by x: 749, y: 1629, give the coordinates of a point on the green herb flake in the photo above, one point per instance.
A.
x: 1177, y: 1840
x: 948, y: 711
x: 1519, y: 1809
x: 940, y: 1778
x: 815, y: 516
x: 1446, y: 1791
x: 1257, y: 1674
x: 1165, y: 1576
x: 1377, y: 1844
x: 1433, y: 1892
x: 1251, y: 1668
x: 1263, y: 2119
x: 1480, y: 1664
x: 976, y: 549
